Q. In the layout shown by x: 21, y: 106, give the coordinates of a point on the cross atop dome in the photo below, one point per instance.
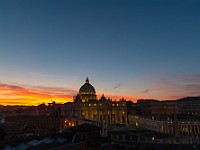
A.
x: 87, y: 80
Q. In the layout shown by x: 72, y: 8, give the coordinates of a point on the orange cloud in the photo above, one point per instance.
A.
x: 19, y: 95
x: 34, y: 95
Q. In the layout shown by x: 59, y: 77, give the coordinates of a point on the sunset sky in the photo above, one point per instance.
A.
x: 128, y: 48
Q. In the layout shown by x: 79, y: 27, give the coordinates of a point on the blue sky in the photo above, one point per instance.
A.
x: 132, y: 45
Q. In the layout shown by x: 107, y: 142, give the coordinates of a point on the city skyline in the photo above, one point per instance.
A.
x: 130, y: 49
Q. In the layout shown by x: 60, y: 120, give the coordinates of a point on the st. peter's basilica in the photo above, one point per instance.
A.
x: 86, y: 106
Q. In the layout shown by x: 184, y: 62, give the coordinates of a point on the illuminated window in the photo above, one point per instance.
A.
x: 136, y: 124
x: 113, y: 104
x: 95, y: 112
x: 95, y: 104
x: 117, y: 104
x: 123, y: 112
x: 113, y: 112
x: 100, y: 104
x: 90, y: 104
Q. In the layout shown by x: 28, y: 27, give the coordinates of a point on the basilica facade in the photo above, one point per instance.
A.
x: 86, y: 106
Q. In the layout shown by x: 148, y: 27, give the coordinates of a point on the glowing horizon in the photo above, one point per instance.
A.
x: 18, y: 95
x: 13, y: 94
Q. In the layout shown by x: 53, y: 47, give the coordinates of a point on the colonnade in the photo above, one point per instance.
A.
x: 105, y: 116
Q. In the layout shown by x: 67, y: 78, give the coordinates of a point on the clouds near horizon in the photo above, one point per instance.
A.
x: 162, y: 89
x: 33, y: 95
x: 176, y: 87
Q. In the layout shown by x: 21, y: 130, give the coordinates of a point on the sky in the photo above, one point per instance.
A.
x: 131, y: 48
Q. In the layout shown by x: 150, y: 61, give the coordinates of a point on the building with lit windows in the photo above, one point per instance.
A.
x: 180, y: 118
x: 178, y: 125
x: 86, y: 106
x: 187, y: 105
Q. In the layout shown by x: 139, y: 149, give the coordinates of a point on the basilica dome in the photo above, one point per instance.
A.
x: 87, y: 88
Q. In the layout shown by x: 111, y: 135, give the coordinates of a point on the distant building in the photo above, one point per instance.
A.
x: 177, y: 125
x: 87, y: 106
x: 20, y: 127
x: 180, y: 118
x: 168, y: 107
x: 188, y: 105
x: 21, y: 122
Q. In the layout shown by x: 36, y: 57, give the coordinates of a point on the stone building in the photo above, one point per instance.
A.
x: 187, y: 105
x: 86, y: 106
x: 178, y: 125
x: 166, y: 107
x: 180, y: 118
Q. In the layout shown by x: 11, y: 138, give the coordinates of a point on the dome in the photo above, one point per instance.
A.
x: 87, y: 88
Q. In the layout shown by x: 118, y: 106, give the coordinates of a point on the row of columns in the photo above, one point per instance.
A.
x: 105, y: 116
x: 192, y: 129
x: 170, y: 128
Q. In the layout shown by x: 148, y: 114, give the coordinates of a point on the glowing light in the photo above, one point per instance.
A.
x: 23, y: 96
